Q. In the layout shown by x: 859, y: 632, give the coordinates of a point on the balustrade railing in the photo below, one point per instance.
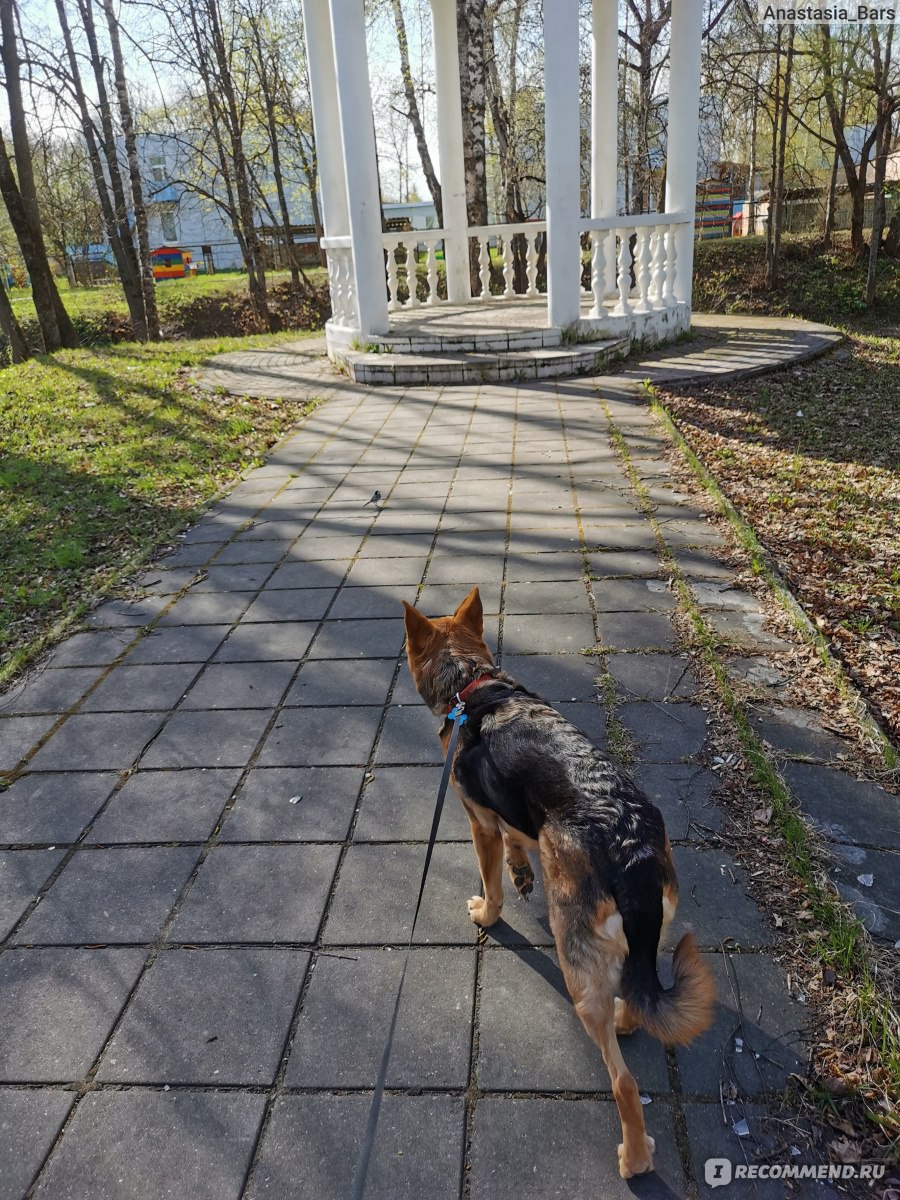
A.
x: 629, y: 265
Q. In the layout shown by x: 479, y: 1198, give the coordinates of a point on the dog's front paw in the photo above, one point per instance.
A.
x: 482, y: 912
x: 638, y: 1160
x: 522, y: 876
x: 625, y: 1020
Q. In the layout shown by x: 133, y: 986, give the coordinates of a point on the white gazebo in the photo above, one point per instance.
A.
x: 640, y: 266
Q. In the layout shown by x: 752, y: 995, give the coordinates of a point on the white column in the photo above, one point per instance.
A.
x: 348, y: 31
x: 683, y: 132
x: 562, y: 132
x: 604, y: 107
x: 450, y: 150
x: 326, y: 119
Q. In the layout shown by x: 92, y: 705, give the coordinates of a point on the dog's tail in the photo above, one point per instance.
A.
x: 674, y: 1015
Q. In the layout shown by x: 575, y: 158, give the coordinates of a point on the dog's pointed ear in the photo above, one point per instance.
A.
x: 418, y: 627
x: 470, y: 614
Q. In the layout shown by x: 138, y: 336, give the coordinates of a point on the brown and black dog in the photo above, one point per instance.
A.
x: 529, y: 780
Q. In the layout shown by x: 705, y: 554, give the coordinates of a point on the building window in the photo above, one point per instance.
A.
x: 158, y: 167
x: 169, y: 227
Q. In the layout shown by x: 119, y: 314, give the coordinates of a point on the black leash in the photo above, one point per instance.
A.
x: 457, y: 715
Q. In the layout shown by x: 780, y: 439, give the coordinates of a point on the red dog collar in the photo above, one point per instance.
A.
x: 470, y: 687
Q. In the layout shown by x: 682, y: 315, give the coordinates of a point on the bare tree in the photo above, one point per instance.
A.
x: 413, y: 112
x: 20, y: 195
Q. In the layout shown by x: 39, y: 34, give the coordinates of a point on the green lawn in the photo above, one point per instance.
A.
x: 109, y: 297
x: 104, y: 455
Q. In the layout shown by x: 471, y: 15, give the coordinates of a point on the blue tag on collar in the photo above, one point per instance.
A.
x: 456, y: 714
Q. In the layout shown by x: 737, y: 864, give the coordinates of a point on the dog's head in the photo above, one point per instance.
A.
x: 446, y: 653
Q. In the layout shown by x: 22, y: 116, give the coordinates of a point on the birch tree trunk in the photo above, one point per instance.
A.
x: 470, y: 17
x: 148, y: 284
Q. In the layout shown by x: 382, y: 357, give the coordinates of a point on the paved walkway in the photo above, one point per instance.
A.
x: 220, y: 800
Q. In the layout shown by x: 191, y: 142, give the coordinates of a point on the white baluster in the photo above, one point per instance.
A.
x: 656, y: 272
x: 642, y: 261
x: 508, y: 290
x: 609, y: 255
x: 432, y: 272
x: 598, y: 270
x: 484, y: 263
x: 531, y: 255
x: 411, y: 277
x: 623, y: 308
x: 349, y: 295
x: 671, y: 266
x: 393, y: 301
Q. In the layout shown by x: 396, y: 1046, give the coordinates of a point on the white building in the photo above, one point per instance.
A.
x: 639, y: 277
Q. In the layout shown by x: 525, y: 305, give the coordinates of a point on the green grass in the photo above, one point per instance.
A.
x: 109, y: 297
x: 104, y: 455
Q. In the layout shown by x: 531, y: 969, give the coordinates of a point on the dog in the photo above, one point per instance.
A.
x: 528, y: 780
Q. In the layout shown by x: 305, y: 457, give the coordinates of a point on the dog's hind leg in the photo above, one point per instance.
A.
x: 520, y: 869
x: 485, y: 910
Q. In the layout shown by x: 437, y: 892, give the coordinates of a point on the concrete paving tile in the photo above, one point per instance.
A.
x: 410, y: 735
x: 798, y: 731
x: 713, y: 901
x: 376, y: 894
x: 18, y: 735
x: 30, y: 1119
x: 717, y: 593
x: 845, y: 809
x: 52, y: 808
x: 652, y: 676
x: 682, y: 794
x: 208, y: 739
x: 563, y: 677
x: 174, y: 1143
x: 633, y: 595
x: 225, y: 1013
x: 664, y: 732
x: 240, y: 685
x: 285, y: 640
x: 614, y: 535
x: 746, y: 631
x: 543, y: 541
x: 398, y: 805
x: 376, y: 572
x: 359, y: 639
x: 531, y: 1039
x: 105, y: 896
x: 771, y: 1031
x: 405, y: 545
x: 442, y: 599
x: 234, y: 579
x: 258, y: 894
x: 142, y: 688
x: 610, y: 564
x: 206, y: 608
x: 267, y: 807
x: 464, y: 569
x: 191, y: 643
x: 347, y: 1012
x: 126, y: 614
x: 870, y: 881
x: 702, y: 564
x: 372, y: 602
x: 97, y: 742
x: 323, y: 683
x: 636, y: 631
x: 562, y: 596
x: 549, y: 633
x: 245, y: 552
x: 311, y: 575
x: 313, y: 737
x: 49, y: 691
x: 588, y: 716
x: 312, y: 1143
x: 159, y: 582
x: 165, y: 806
x: 57, y: 1007
x: 537, y: 1148
x: 22, y: 874
x: 325, y: 549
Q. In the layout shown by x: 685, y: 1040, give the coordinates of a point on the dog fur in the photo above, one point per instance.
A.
x: 529, y: 780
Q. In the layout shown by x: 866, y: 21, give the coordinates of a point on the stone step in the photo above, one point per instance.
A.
x: 482, y: 366
x: 461, y: 338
